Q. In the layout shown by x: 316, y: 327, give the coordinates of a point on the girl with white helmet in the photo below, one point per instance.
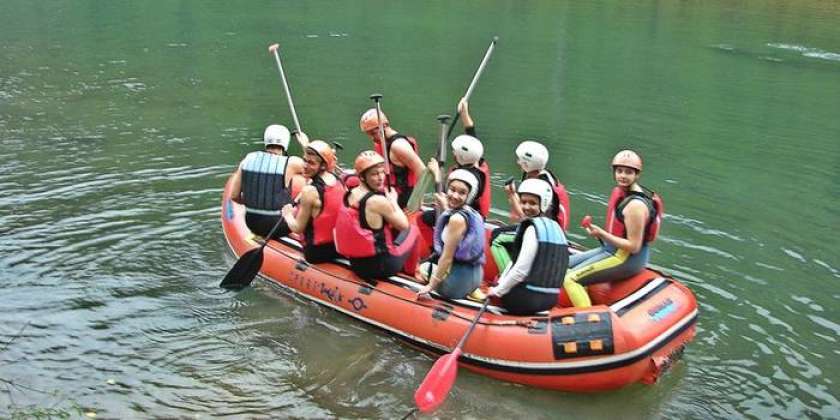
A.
x: 633, y: 217
x: 531, y: 282
x: 468, y: 153
x: 265, y: 181
x: 458, y: 242
x: 532, y: 157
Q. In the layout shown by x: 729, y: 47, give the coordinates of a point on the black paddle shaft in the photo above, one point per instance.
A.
x: 441, y: 158
x: 377, y: 98
x: 474, y: 323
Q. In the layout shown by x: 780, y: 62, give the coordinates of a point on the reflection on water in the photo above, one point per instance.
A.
x: 114, y: 145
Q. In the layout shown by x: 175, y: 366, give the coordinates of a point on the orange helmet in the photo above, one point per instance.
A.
x: 369, y: 120
x: 629, y: 159
x: 323, y: 151
x: 366, y: 160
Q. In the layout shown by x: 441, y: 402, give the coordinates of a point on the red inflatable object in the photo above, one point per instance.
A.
x: 637, y: 328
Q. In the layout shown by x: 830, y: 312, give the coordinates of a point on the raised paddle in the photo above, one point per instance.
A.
x: 443, y: 119
x: 246, y: 268
x: 243, y: 272
x: 435, y: 387
x: 273, y: 49
x: 415, y: 200
x: 377, y: 97
x: 474, y: 81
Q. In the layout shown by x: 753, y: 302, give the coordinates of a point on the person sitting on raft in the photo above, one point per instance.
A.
x: 633, y: 218
x: 403, y: 153
x: 458, y: 242
x: 532, y: 157
x: 468, y: 153
x: 263, y: 181
x: 540, y: 254
x: 368, y: 222
x: 318, y: 204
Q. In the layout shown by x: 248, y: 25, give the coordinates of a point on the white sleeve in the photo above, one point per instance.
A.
x: 519, y: 269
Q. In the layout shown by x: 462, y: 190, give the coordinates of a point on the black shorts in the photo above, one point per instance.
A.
x: 521, y: 301
x: 262, y: 225
x: 316, y: 254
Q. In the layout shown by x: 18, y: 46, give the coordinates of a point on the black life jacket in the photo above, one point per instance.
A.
x: 264, y: 183
x: 549, y: 266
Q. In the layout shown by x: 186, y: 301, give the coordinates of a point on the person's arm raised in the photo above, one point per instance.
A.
x: 466, y: 118
x: 513, y: 199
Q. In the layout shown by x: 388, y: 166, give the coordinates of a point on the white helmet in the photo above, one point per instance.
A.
x: 276, y: 134
x: 466, y: 177
x: 467, y: 149
x: 539, y: 188
x: 531, y: 156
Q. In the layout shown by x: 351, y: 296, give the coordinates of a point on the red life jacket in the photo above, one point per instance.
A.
x: 559, y: 209
x: 619, y: 200
x: 484, y: 200
x: 355, y: 239
x: 402, y: 178
x: 319, y: 231
x: 481, y: 202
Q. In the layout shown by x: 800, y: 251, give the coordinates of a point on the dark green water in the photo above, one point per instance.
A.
x: 119, y: 122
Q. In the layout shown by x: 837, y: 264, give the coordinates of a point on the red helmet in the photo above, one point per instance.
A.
x: 370, y: 120
x: 323, y: 151
x: 366, y: 160
x: 629, y: 159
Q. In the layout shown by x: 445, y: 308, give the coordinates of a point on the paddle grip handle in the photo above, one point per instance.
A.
x: 273, y: 49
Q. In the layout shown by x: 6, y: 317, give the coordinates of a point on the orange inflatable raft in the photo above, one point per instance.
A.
x: 637, y: 329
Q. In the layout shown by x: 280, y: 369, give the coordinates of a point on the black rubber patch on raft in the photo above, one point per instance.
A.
x: 539, y: 326
x: 441, y: 313
x: 582, y: 334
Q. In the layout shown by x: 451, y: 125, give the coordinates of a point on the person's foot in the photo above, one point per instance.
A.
x: 477, y: 295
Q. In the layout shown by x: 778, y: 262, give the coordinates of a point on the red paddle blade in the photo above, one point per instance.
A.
x: 586, y: 222
x: 435, y: 388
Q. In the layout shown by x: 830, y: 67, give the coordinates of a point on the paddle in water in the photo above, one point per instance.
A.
x: 435, y: 387
x: 243, y: 272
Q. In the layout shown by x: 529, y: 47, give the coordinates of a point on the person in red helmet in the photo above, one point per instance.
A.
x: 264, y: 180
x: 371, y: 230
x: 632, y: 223
x: 403, y: 154
x: 317, y: 204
